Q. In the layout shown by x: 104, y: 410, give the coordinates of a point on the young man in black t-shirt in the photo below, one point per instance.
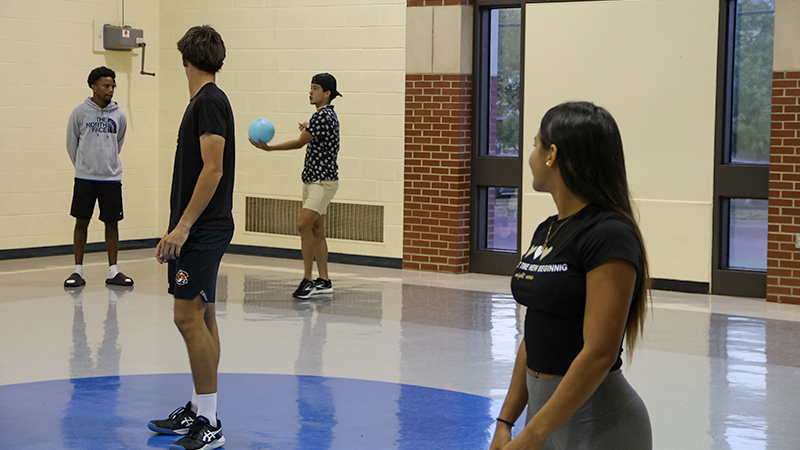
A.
x: 200, y: 229
x: 320, y: 181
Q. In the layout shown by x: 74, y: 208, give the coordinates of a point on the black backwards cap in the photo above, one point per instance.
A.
x: 327, y: 82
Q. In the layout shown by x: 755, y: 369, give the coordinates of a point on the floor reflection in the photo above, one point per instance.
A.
x: 94, y: 400
x: 738, y: 405
x: 393, y: 359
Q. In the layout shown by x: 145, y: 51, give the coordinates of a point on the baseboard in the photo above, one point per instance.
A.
x: 691, y: 287
x: 659, y: 284
x: 58, y: 250
x: 341, y: 258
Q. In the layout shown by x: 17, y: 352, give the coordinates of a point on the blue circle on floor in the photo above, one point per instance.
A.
x: 257, y: 411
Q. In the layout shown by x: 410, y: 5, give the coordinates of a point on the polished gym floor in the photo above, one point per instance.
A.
x: 394, y: 359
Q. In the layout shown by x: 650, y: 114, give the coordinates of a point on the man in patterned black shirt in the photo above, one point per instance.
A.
x: 320, y: 181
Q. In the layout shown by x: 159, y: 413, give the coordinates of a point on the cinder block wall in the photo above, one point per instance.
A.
x: 274, y: 48
x: 47, y: 54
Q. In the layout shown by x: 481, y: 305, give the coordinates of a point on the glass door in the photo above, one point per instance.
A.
x: 741, y: 176
x: 496, y: 171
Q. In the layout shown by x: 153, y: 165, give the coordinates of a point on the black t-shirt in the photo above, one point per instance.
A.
x: 321, y: 152
x: 551, y: 281
x: 209, y: 111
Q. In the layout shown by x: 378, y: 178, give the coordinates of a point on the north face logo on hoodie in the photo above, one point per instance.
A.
x: 103, y: 125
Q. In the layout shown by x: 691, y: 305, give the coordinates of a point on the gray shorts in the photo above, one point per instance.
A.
x: 614, y: 417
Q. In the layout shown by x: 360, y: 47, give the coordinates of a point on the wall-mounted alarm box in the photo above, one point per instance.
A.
x: 122, y: 38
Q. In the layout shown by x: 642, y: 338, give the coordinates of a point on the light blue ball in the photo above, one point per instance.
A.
x: 262, y: 129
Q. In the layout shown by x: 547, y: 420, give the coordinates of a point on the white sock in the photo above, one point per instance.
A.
x: 112, y: 271
x: 79, y: 269
x: 207, y: 407
x: 194, y: 400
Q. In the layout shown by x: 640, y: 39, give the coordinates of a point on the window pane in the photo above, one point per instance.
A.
x: 500, y: 209
x: 504, y: 67
x: 752, y: 81
x: 747, y: 246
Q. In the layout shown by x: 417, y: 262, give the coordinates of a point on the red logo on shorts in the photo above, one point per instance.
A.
x: 181, y: 278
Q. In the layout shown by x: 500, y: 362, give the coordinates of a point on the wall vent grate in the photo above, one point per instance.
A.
x: 349, y: 221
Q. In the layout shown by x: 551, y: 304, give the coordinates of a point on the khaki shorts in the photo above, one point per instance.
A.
x: 318, y: 195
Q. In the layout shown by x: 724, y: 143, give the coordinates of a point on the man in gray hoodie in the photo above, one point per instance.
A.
x: 95, y: 133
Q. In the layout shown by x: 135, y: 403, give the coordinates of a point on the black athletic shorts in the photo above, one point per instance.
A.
x: 195, y: 270
x: 108, y: 195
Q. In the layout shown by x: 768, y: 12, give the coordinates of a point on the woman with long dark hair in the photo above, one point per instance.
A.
x: 584, y: 282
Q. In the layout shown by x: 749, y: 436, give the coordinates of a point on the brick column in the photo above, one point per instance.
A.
x: 437, y: 172
x: 436, y: 225
x: 783, y: 257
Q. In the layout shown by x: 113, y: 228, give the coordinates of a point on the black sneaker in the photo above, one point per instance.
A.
x: 305, y: 290
x: 323, y: 286
x: 202, y: 436
x: 178, y: 422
